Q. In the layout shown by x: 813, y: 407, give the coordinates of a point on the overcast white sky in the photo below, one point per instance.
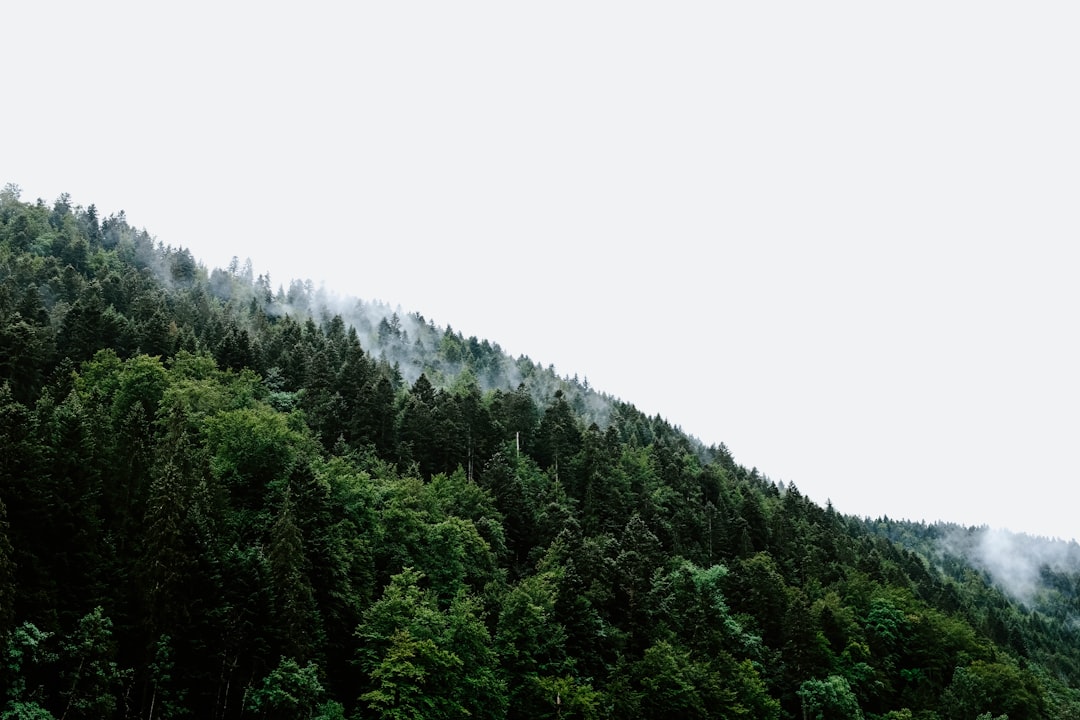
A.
x: 840, y: 237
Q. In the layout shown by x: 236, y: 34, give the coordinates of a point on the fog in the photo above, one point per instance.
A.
x: 839, y: 238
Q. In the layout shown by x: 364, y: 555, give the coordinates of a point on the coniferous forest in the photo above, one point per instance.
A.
x: 225, y: 499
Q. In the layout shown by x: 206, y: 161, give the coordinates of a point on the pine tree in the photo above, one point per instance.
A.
x: 7, y: 576
x: 293, y: 596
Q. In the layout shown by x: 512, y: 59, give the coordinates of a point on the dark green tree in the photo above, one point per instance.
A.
x: 558, y: 436
x: 531, y: 643
x: 295, y: 612
x: 7, y: 576
x: 996, y: 688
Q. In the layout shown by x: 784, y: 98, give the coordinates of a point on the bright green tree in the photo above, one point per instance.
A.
x: 26, y: 654
x: 89, y: 676
x: 423, y: 661
x: 829, y: 699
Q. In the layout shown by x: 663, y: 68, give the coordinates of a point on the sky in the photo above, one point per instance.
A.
x: 839, y: 237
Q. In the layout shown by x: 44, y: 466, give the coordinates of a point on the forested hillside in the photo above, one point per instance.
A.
x: 222, y: 499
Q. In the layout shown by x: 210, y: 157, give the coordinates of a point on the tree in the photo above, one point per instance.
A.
x: 166, y: 701
x: 72, y: 487
x: 7, y: 575
x: 291, y: 692
x: 508, y: 479
x: 638, y: 558
x: 668, y: 682
x: 29, y: 511
x: 569, y: 698
x: 89, y: 674
x: 531, y: 643
x: 558, y: 438
x: 995, y: 688
x: 407, y: 680
x: 419, y: 416
x: 829, y: 699
x: 23, y: 355
x: 690, y: 603
x: 26, y: 654
x: 425, y: 662
x: 516, y: 413
x: 294, y: 599
x: 89, y: 326
x: 755, y: 587
x: 167, y: 563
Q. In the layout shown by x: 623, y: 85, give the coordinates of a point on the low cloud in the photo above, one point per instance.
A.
x: 1015, y: 562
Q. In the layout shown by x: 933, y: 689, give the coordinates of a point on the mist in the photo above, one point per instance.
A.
x: 1019, y: 564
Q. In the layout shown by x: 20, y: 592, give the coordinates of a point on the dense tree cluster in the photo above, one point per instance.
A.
x: 219, y: 500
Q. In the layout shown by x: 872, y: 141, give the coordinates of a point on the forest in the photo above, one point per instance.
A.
x: 222, y: 499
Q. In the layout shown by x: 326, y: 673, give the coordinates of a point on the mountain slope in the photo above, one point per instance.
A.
x: 218, y: 499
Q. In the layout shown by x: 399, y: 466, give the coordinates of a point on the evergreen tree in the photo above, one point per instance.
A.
x: 295, y: 613
x: 7, y: 576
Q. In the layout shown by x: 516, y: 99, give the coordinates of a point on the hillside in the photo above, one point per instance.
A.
x: 222, y: 499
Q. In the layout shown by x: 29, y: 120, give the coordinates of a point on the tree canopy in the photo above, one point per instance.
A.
x: 220, y: 500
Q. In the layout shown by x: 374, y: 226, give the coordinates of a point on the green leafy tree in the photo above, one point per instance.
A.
x: 26, y: 711
x: 829, y: 699
x: 23, y: 356
x: 27, y: 654
x: 668, y: 682
x: 517, y: 415
x: 514, y: 483
x: 996, y: 688
x: 407, y: 680
x: 166, y: 700
x: 292, y: 692
x: 756, y: 588
x: 89, y: 326
x: 89, y: 675
x: 570, y: 698
x: 531, y: 643
x: 73, y: 533
x: 425, y: 662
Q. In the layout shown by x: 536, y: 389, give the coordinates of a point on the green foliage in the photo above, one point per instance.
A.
x: 26, y: 653
x: 7, y: 574
x: 569, y: 698
x: 829, y: 699
x: 671, y: 682
x: 25, y: 711
x: 424, y: 661
x: 167, y: 701
x: 531, y: 644
x: 995, y: 688
x: 291, y: 692
x: 89, y: 676
x: 225, y: 501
